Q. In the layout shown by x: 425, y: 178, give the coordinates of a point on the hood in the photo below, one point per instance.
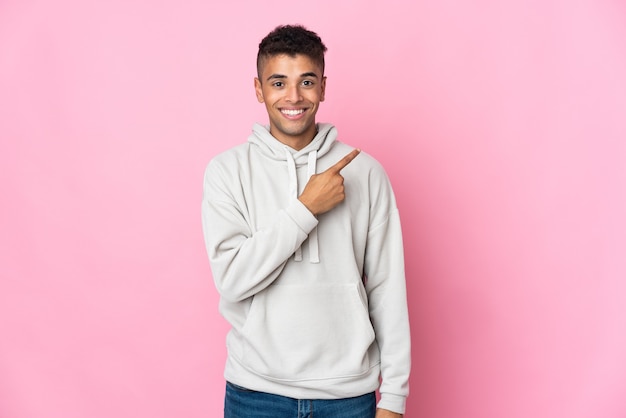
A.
x: 274, y: 149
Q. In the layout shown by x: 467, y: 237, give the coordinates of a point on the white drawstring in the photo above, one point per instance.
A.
x: 314, y: 252
x: 293, y: 191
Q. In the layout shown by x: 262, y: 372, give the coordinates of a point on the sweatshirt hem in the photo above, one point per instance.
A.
x: 314, y: 388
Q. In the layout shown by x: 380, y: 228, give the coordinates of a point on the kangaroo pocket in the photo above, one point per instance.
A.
x: 301, y: 332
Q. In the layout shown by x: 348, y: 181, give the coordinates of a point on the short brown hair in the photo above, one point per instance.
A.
x: 291, y: 40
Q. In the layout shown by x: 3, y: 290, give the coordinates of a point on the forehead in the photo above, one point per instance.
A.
x: 290, y: 66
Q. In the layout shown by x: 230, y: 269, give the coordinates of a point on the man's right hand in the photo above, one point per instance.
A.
x: 325, y: 190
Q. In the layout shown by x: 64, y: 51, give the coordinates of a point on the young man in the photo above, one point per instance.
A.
x: 305, y: 245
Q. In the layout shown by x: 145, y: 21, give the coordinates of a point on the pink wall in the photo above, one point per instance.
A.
x: 503, y: 129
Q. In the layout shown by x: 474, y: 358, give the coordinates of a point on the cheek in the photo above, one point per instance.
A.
x: 321, y: 94
x: 315, y: 97
x: 269, y: 97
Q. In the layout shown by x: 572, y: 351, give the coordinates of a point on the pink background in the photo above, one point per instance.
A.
x: 502, y: 126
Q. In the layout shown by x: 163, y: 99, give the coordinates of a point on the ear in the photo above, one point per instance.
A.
x: 259, y: 90
x: 323, y: 86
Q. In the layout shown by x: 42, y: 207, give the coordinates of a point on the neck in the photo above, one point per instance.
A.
x: 296, y: 142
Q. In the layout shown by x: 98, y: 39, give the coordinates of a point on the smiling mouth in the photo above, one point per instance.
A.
x: 292, y: 112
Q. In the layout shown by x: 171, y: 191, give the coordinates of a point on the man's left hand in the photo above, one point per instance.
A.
x: 384, y: 413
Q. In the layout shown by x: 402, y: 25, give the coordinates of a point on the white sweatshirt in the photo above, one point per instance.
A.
x: 317, y: 305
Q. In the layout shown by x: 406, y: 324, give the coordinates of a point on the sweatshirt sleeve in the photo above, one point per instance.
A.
x: 386, y: 288
x: 244, y: 262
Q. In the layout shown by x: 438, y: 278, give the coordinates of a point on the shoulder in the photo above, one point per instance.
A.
x: 363, y: 161
x: 228, y: 161
x: 367, y: 174
x: 230, y: 156
x: 364, y: 166
x: 225, y: 168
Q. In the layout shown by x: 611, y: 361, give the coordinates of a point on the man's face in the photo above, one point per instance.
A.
x: 292, y: 89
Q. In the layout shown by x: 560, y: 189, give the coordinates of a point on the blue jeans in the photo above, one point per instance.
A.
x: 244, y: 403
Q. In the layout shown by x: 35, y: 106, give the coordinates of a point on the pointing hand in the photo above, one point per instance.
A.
x: 325, y: 190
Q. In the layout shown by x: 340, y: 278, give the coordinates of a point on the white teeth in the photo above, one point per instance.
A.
x: 292, y: 112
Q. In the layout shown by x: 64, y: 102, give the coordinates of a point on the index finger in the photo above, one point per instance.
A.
x: 345, y: 160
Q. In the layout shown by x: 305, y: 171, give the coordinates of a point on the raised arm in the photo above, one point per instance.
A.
x: 244, y: 261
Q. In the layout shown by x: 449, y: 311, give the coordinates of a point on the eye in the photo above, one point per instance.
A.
x: 278, y: 84
x: 307, y: 83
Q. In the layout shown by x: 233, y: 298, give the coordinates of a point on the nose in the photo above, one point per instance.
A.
x: 293, y: 94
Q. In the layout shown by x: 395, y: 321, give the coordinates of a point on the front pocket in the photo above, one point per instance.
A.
x: 301, y: 332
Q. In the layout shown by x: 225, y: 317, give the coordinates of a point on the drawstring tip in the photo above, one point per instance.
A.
x: 298, y: 255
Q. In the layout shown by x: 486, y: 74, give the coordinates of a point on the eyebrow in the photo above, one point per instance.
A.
x: 281, y: 76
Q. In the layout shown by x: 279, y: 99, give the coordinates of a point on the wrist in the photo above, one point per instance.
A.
x: 308, y: 205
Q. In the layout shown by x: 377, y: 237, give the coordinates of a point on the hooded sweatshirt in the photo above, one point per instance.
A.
x: 317, y: 305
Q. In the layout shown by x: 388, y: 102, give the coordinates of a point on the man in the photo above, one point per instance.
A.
x: 305, y: 245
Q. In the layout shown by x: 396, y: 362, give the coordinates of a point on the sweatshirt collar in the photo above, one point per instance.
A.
x: 274, y: 149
